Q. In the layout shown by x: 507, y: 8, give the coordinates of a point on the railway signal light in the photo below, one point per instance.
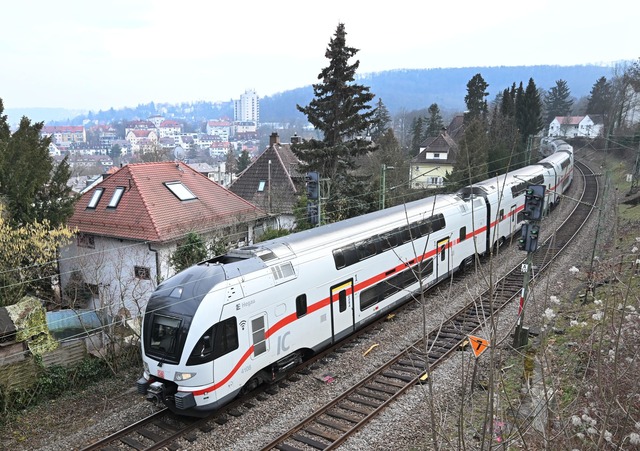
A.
x: 522, y: 241
x: 312, y: 213
x: 534, y: 202
x: 313, y: 188
x: 528, y: 240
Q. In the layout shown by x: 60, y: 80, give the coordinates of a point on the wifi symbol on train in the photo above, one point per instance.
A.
x: 242, y: 324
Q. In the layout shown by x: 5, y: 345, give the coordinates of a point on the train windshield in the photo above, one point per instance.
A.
x: 164, y: 334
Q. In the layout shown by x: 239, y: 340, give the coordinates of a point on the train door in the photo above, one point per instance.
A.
x: 513, y: 220
x: 442, y: 258
x: 342, y: 313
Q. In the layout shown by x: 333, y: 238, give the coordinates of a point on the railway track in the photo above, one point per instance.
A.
x: 344, y: 416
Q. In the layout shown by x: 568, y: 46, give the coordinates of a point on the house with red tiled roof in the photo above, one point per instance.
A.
x: 65, y: 135
x: 128, y: 225
x: 589, y: 126
x: 272, y: 182
x: 140, y: 139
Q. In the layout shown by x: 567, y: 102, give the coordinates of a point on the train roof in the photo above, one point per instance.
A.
x: 350, y: 229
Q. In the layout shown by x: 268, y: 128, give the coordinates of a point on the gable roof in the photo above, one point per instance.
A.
x: 443, y: 143
x: 569, y: 120
x: 253, y: 183
x: 148, y: 210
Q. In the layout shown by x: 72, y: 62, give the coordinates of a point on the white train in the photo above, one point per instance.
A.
x: 230, y: 323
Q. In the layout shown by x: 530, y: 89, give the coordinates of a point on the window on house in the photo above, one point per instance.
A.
x: 261, y: 186
x: 436, y: 155
x: 180, y: 191
x: 85, y: 240
x: 97, y: 194
x: 142, y: 272
x: 115, y: 199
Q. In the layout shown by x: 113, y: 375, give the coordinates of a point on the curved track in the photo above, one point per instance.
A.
x: 337, y: 420
x: 344, y: 416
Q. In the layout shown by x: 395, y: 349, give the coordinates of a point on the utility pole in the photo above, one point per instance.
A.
x: 533, y: 209
x: 383, y: 185
x: 636, y: 174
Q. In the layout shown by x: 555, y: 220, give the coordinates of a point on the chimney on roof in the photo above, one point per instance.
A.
x: 274, y: 139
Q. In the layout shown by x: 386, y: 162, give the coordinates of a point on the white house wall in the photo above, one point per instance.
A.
x: 109, y: 265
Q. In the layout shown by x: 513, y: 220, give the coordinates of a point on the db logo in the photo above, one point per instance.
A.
x: 161, y: 374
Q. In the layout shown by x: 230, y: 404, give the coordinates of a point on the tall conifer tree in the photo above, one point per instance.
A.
x: 475, y: 99
x: 434, y: 121
x: 341, y: 110
x: 558, y: 101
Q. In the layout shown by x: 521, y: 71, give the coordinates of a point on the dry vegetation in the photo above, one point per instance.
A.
x: 574, y: 387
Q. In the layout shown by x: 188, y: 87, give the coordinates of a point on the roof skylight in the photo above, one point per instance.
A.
x: 117, y: 195
x: 180, y: 191
x: 97, y: 194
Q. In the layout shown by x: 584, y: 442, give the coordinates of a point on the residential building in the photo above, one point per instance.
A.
x: 169, y: 128
x: 64, y: 135
x: 220, y: 128
x: 140, y: 139
x: 272, y: 182
x: 219, y: 149
x: 436, y: 158
x: 247, y: 108
x: 589, y: 126
x: 129, y: 224
x: 156, y: 120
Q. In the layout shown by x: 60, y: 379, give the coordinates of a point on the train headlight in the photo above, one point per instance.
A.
x: 183, y: 376
x: 145, y: 367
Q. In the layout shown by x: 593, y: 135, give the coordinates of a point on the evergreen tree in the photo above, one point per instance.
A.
x: 599, y: 101
x: 528, y: 116
x: 379, y: 121
x: 475, y: 99
x: 32, y: 188
x: 340, y: 110
x: 244, y: 161
x: 504, y: 138
x: 5, y: 132
x: 417, y: 135
x: 471, y: 161
x: 508, y: 102
x: 55, y: 200
x: 558, y: 101
x: 26, y: 168
x: 189, y: 252
x: 434, y: 121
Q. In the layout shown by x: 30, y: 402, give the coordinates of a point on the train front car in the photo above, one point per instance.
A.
x: 177, y: 356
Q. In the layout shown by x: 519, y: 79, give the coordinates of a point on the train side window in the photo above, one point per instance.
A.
x: 501, y: 215
x: 301, y: 305
x: 338, y: 258
x: 463, y: 233
x: 342, y: 300
x: 225, y: 337
x: 425, y: 228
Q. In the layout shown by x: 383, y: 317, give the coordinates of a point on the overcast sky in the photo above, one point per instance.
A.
x: 95, y: 55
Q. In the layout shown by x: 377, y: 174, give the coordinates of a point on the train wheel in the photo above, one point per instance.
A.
x: 250, y: 386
